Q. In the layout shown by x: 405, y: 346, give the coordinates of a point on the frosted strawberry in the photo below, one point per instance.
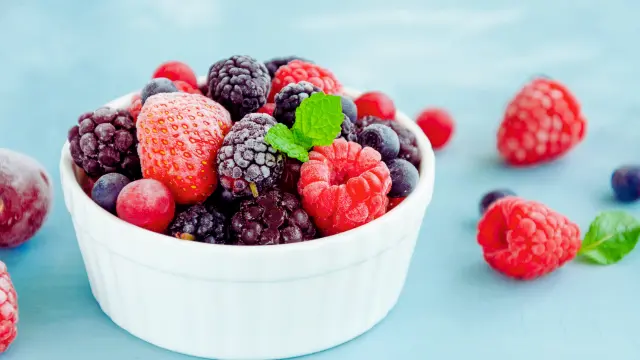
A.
x: 179, y: 137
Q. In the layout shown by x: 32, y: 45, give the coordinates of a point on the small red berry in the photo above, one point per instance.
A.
x: 375, y: 103
x: 135, y: 106
x: 393, y: 202
x: 8, y: 309
x: 297, y: 70
x: 438, y: 125
x: 185, y: 87
x: 146, y: 203
x: 267, y: 108
x: 176, y: 70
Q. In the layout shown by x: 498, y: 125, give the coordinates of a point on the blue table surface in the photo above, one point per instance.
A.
x: 59, y: 59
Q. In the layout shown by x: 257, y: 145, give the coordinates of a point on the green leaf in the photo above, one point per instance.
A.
x: 282, y: 139
x: 318, y: 120
x: 611, y: 236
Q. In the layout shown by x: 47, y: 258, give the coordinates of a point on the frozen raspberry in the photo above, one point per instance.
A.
x: 180, y: 135
x: 185, y: 87
x: 105, y: 141
x: 491, y: 197
x: 240, y: 83
x: 290, y: 98
x: 246, y: 163
x: 201, y: 223
x: 146, y: 203
x: 157, y: 86
x: 542, y: 123
x: 525, y: 239
x: 290, y: 175
x: 349, y: 108
x: 135, y: 106
x: 25, y: 198
x: 106, y: 190
x: 274, y: 217
x: 296, y: 71
x: 267, y: 108
x: 176, y: 71
x: 274, y: 64
x: 404, y: 177
x: 408, y: 144
x: 347, y: 130
x: 376, y: 104
x: 437, y: 125
x: 625, y: 182
x: 8, y: 310
x: 344, y: 186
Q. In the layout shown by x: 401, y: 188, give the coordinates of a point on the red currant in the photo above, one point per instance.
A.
x: 438, y: 125
x: 376, y: 104
x: 146, y: 203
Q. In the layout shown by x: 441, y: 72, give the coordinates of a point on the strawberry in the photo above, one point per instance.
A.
x: 542, y: 123
x: 179, y: 137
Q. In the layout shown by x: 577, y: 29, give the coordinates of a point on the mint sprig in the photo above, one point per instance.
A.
x: 611, y: 237
x: 318, y: 122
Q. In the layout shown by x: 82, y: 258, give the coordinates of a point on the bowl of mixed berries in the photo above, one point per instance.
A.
x: 261, y: 211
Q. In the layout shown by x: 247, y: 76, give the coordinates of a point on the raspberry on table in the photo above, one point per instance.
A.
x: 408, y: 143
x: 290, y: 98
x: 240, y: 84
x: 267, y: 108
x: 344, y: 186
x: 296, y: 71
x: 246, y: 163
x: 525, y: 239
x: 275, y: 217
x: 176, y: 71
x: 349, y: 108
x: 404, y: 178
x: 625, y: 182
x: 180, y: 135
x: 376, y: 103
x: 105, y: 141
x: 146, y: 203
x: 542, y: 123
x: 157, y: 86
x: 202, y: 223
x: 381, y: 138
x: 185, y: 87
x: 438, y: 125
x: 105, y: 191
x: 491, y: 197
x: 274, y: 64
x: 8, y: 310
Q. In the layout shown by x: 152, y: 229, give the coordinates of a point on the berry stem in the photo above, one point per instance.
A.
x: 254, y: 189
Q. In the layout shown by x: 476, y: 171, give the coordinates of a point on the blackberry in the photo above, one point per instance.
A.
x: 408, y: 145
x: 291, y: 175
x: 289, y: 98
x: 200, y: 223
x: 274, y: 64
x: 240, y: 83
x: 275, y: 217
x: 224, y: 201
x: 246, y: 163
x: 348, y: 130
x: 104, y: 141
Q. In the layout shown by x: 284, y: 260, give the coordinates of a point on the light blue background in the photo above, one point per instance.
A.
x: 61, y: 58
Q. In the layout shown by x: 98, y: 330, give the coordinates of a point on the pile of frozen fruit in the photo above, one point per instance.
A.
x: 262, y: 153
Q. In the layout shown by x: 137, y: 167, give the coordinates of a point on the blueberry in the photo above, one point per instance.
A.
x: 349, y: 108
x: 157, y: 86
x: 106, y: 190
x: 404, y: 177
x: 625, y: 183
x: 490, y: 197
x: 382, y: 138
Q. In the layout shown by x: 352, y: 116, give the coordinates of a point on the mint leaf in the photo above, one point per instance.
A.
x: 282, y: 139
x: 611, y: 236
x: 318, y: 120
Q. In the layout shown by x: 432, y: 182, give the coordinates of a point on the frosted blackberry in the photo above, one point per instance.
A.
x: 104, y: 141
x: 240, y: 83
x: 200, y: 223
x: 274, y: 64
x: 408, y: 145
x: 348, y: 130
x: 289, y: 98
x: 275, y: 217
x: 246, y: 163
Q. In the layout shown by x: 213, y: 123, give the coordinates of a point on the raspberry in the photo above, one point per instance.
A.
x: 525, y: 239
x: 290, y: 98
x: 185, y: 87
x: 344, y: 186
x: 180, y: 135
x: 438, y: 125
x: 200, y: 223
x: 267, y: 108
x: 296, y: 71
x: 274, y: 64
x: 376, y: 104
x: 408, y: 145
x: 176, y: 70
x: 146, y: 203
x: 274, y: 217
x: 245, y: 162
x: 8, y: 309
x: 240, y: 83
x: 105, y: 141
x: 135, y: 106
x: 542, y: 123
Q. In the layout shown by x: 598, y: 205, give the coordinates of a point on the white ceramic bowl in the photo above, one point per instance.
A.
x: 262, y: 302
